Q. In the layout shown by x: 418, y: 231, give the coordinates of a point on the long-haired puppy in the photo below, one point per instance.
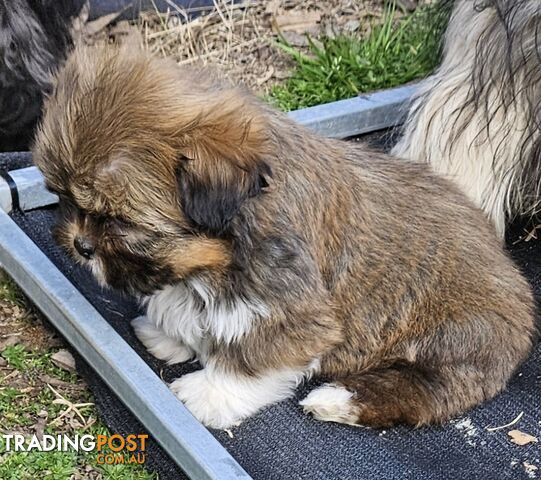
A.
x: 478, y: 118
x: 34, y: 38
x: 271, y: 254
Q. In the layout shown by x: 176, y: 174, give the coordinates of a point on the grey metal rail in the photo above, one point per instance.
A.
x: 188, y: 443
x: 355, y: 116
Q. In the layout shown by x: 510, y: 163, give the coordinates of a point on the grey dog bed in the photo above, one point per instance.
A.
x: 283, y: 443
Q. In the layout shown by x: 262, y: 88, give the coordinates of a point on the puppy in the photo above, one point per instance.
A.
x: 271, y: 254
x: 35, y: 36
x: 477, y: 119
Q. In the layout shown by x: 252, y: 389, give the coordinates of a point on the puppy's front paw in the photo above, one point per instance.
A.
x: 213, y: 406
x: 158, y: 344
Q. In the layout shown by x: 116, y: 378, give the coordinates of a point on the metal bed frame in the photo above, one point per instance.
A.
x: 188, y: 443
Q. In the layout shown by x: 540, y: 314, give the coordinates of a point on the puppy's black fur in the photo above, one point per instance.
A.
x: 35, y: 36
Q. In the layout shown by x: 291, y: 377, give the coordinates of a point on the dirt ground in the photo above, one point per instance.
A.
x: 240, y: 39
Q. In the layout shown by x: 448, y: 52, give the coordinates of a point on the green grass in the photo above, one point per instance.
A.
x: 25, y: 396
x: 62, y: 465
x: 32, y: 363
x: 12, y: 411
x: 394, y: 53
x: 10, y: 292
x: 19, y: 409
x: 26, y: 465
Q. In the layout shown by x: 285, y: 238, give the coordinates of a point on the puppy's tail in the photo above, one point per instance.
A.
x: 402, y: 393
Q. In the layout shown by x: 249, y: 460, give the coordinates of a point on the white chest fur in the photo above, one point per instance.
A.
x: 192, y: 313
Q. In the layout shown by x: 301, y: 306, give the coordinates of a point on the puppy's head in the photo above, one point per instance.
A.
x: 151, y: 163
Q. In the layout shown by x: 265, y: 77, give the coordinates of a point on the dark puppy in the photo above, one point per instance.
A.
x: 272, y: 254
x: 34, y: 38
x: 478, y: 118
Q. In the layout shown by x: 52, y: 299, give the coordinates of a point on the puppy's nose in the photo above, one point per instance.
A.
x: 84, y: 246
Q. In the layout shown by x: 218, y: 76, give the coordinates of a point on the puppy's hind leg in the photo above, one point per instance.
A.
x: 159, y: 344
x: 402, y: 393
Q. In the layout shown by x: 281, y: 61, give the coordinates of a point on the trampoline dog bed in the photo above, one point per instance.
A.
x: 280, y: 442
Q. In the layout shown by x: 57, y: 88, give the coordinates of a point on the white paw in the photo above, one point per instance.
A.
x: 331, y: 403
x: 158, y: 344
x: 222, y: 399
x: 211, y: 405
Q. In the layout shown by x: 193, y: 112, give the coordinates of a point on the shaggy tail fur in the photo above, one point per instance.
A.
x: 477, y: 119
x: 403, y: 393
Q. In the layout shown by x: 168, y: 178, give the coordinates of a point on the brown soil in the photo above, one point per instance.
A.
x: 240, y: 39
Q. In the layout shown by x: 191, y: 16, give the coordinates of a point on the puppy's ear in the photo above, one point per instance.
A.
x: 222, y: 161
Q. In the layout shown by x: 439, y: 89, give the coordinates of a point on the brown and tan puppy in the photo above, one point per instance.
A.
x: 272, y: 254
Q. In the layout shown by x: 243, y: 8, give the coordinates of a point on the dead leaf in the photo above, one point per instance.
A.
x: 295, y: 39
x: 122, y: 28
x: 521, y: 438
x: 96, y: 26
x: 10, y: 341
x: 55, y: 382
x: 352, y: 25
x: 407, y: 5
x: 64, y: 359
x: 282, y: 74
x: 300, y: 22
x: 39, y: 427
x: 265, y: 78
x: 273, y: 6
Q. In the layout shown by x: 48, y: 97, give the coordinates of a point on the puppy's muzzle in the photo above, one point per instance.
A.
x: 84, y: 247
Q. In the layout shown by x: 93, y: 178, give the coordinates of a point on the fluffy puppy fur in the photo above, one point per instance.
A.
x: 272, y: 254
x: 34, y: 38
x: 477, y: 119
